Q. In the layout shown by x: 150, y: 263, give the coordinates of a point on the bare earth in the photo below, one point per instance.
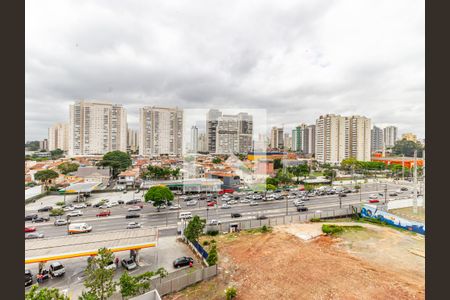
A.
x: 377, y: 263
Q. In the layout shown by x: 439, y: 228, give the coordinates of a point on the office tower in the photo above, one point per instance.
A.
x: 194, y: 139
x: 211, y: 125
x: 132, y: 140
x: 245, y: 131
x: 58, y: 137
x: 276, y: 138
x: 409, y: 137
x: 339, y: 137
x: 202, y: 142
x: 227, y: 134
x: 377, y: 143
x: 96, y: 128
x: 160, y: 131
x: 43, y: 145
x: 390, y: 136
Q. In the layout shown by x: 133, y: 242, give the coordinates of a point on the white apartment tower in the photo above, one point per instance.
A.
x: 160, y: 131
x: 390, y: 136
x: 202, y: 142
x: 227, y: 134
x: 194, y: 139
x: 96, y: 128
x: 245, y: 130
x: 132, y: 140
x: 276, y: 138
x: 58, y: 137
x: 377, y: 143
x: 359, y: 138
x: 211, y: 126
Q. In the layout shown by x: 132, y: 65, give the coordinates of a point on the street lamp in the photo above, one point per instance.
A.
x: 340, y: 200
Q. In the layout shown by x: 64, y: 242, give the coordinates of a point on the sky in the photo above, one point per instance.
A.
x: 295, y: 59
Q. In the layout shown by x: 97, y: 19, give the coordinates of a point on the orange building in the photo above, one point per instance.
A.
x: 407, y: 161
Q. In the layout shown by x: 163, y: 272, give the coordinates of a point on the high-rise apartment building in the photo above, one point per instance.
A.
x: 377, y: 143
x: 287, y: 141
x: 211, y: 126
x: 310, y: 140
x: 160, y: 131
x: 276, y: 138
x: 303, y: 138
x: 339, y: 137
x: 390, y: 136
x: 194, y: 139
x: 43, y: 145
x: 58, y: 137
x: 132, y: 140
x: 202, y: 142
x: 227, y: 134
x: 245, y: 131
x: 96, y: 128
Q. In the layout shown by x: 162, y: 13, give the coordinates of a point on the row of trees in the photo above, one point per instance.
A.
x: 155, y: 172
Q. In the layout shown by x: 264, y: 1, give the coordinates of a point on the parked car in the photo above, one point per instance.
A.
x: 57, y: 269
x: 236, y: 215
x: 120, y: 201
x: 393, y: 194
x: 374, y: 201
x: 261, y: 217
x: 236, y: 197
x: 302, y: 208
x: 75, y: 213
x: 134, y: 208
x: 40, y: 219
x: 113, y: 203
x: 45, y: 208
x: 28, y: 278
x: 133, y: 225
x: 30, y: 229
x: 244, y: 201
x: 30, y: 217
x: 34, y: 235
x: 68, y: 208
x: 342, y: 194
x: 373, y: 196
x: 291, y: 196
x: 132, y: 215
x: 61, y: 222
x: 403, y: 189
x: 191, y: 203
x: 182, y: 261
x: 175, y: 206
x: 105, y: 213
x: 211, y: 203
x: 225, y: 206
x: 298, y: 203
x: 232, y: 202
x: 213, y: 222
x: 111, y: 266
x: 134, y: 201
x: 253, y: 203
x: 129, y: 264
x: 80, y: 206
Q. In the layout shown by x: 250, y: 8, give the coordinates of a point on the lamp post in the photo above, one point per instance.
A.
x: 340, y: 200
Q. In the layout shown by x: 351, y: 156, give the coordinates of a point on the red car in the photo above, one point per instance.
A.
x: 226, y: 191
x: 212, y: 203
x: 104, y: 213
x: 374, y: 201
x: 30, y: 229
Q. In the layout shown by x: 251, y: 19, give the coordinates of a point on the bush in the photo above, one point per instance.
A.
x: 315, y: 220
x: 212, y: 256
x: 231, y: 292
x: 331, y: 229
x: 205, y: 243
x: 60, y: 203
x: 264, y: 229
x: 56, y: 212
x: 213, y: 241
x: 212, y: 232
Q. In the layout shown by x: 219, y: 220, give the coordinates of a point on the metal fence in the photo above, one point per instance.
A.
x: 200, y: 249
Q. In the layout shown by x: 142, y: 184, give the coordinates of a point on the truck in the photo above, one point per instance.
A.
x: 79, y: 228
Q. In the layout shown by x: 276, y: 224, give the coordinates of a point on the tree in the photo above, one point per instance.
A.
x: 329, y: 173
x: 45, y: 176
x: 44, y: 294
x: 406, y: 148
x: 57, y: 153
x: 272, y: 181
x: 87, y: 296
x: 159, y: 195
x: 299, y: 171
x: 212, y: 256
x: 119, y: 161
x: 99, y: 279
x: 67, y: 167
x: 216, y: 160
x: 195, y: 228
x: 349, y: 163
x: 277, y: 164
x: 283, y: 177
x: 136, y: 285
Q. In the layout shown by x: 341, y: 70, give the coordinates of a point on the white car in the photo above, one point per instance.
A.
x: 75, y: 213
x: 214, y: 222
x: 111, y: 266
x: 174, y: 206
x: 232, y: 202
x: 298, y: 202
x: 253, y: 203
x: 68, y: 208
x: 291, y: 197
x: 225, y: 205
x: 257, y: 197
x: 373, y: 196
x: 244, y: 201
x: 226, y: 198
x: 191, y: 203
x: 79, y: 206
x: 134, y: 208
x: 113, y: 203
x: 133, y: 225
x: 103, y: 206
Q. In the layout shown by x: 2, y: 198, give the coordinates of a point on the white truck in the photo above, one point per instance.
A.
x: 79, y: 228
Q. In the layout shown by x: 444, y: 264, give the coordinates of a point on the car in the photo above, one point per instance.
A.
x: 342, y: 194
x: 75, y: 213
x: 244, y: 201
x: 124, y: 191
x: 134, y: 208
x: 213, y: 222
x: 80, y: 206
x: 30, y: 217
x: 111, y: 266
x: 98, y: 204
x: 57, y: 269
x: 236, y: 215
x: 302, y: 208
x: 61, y: 222
x: 28, y: 278
x: 393, y: 194
x: 236, y: 197
x: 68, y: 208
x: 182, y: 261
x: 30, y: 229
x: 374, y: 201
x: 404, y: 189
x: 373, y: 196
x: 40, y: 219
x: 191, y: 203
x: 249, y: 197
x: 211, y: 203
x: 257, y: 197
x: 134, y: 201
x: 34, y: 235
x: 175, y: 206
x: 45, y: 208
x: 120, y: 201
x: 253, y: 203
x: 160, y: 206
x: 277, y: 191
x: 133, y: 225
x: 291, y: 196
x: 232, y: 202
x: 129, y: 264
x: 113, y: 203
x: 105, y: 213
x: 132, y: 215
x: 298, y: 202
x: 261, y: 217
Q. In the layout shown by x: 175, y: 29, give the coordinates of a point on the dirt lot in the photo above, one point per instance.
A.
x: 376, y: 263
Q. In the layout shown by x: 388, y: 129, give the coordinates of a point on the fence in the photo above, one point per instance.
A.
x: 169, y: 285
x: 200, y: 249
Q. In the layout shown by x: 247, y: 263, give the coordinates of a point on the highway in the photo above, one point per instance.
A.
x: 167, y: 219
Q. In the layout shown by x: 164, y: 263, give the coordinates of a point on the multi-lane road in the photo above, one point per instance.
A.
x: 167, y: 219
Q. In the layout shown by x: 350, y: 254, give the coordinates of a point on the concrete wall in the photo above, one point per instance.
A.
x: 404, y: 203
x: 33, y: 192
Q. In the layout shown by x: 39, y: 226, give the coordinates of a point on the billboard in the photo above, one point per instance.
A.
x: 372, y: 211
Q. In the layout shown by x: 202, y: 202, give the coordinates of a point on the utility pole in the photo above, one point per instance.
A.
x: 415, y: 183
x: 385, y: 194
x: 403, y: 167
x: 287, y: 206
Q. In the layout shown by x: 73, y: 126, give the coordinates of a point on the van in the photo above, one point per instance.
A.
x: 185, y: 215
x: 79, y: 228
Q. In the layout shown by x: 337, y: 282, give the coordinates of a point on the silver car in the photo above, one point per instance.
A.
x: 34, y: 235
x: 191, y: 203
x: 60, y: 222
x: 133, y: 225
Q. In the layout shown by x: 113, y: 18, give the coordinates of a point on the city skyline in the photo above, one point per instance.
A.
x: 289, y: 64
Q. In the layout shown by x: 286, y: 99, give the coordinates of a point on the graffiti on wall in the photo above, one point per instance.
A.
x: 372, y: 211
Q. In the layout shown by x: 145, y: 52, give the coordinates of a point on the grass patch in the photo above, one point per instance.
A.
x: 60, y: 203
x: 263, y: 229
x: 315, y: 220
x: 330, y: 229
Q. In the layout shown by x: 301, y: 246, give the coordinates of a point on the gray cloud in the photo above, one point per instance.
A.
x: 297, y: 59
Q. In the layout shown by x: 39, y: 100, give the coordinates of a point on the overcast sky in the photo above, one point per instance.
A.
x: 297, y: 59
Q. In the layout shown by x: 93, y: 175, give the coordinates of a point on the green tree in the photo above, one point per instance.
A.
x: 407, y: 148
x: 159, y: 195
x: 277, y: 164
x: 136, y: 285
x: 57, y: 153
x: 284, y: 177
x: 194, y: 228
x: 349, y: 163
x: 99, y: 279
x: 44, y: 294
x: 212, y: 256
x: 299, y: 171
x: 67, y: 167
x: 45, y: 176
x: 216, y: 160
x: 57, y: 212
x: 87, y: 296
x: 118, y: 161
x: 272, y: 181
x: 329, y: 174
